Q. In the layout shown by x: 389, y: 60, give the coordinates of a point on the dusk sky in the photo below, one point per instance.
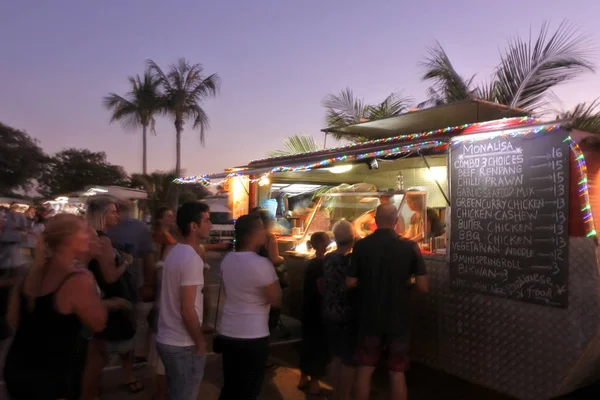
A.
x: 277, y: 60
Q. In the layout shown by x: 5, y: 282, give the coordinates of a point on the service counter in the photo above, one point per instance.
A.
x: 525, y: 350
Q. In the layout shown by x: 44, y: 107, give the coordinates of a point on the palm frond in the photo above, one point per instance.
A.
x: 394, y: 104
x: 585, y: 117
x: 529, y: 68
x: 344, y: 108
x: 123, y: 111
x: 185, y: 88
x: 138, y: 107
x: 449, y: 86
x: 296, y: 144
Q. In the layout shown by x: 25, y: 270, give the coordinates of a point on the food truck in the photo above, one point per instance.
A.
x: 514, y: 302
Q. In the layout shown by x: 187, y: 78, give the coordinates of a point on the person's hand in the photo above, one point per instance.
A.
x: 123, y: 304
x: 128, y: 258
x: 201, y: 348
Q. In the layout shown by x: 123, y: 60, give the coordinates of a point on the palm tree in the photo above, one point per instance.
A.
x: 185, y: 87
x: 296, y: 144
x: 528, y: 69
x: 158, y: 185
x: 346, y: 109
x: 137, y: 108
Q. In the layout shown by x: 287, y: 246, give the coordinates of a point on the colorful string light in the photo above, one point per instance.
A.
x: 514, y: 121
x: 506, y: 133
x: 583, y: 191
x: 409, y: 148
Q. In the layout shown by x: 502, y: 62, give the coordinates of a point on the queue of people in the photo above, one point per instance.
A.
x: 356, y: 301
x: 97, y: 284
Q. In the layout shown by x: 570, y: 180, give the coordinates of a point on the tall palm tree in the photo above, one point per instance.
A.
x: 296, y: 144
x: 137, y: 108
x: 346, y: 109
x: 185, y: 87
x: 528, y: 69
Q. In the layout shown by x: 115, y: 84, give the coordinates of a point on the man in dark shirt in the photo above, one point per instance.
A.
x: 382, y: 266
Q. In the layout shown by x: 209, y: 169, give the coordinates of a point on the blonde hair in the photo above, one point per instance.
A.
x: 58, y: 229
x: 96, y: 211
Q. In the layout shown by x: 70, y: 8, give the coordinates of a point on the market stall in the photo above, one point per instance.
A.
x: 514, y: 303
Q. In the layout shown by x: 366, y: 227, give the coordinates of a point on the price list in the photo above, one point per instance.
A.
x: 509, y: 209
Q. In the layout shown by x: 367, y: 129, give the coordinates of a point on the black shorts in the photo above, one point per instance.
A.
x: 342, y: 341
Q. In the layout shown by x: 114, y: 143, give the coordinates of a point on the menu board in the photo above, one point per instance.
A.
x: 509, y: 226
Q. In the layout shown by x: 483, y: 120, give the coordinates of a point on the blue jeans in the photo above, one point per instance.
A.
x: 184, y: 370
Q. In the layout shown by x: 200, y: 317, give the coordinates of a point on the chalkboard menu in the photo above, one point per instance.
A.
x: 509, y: 226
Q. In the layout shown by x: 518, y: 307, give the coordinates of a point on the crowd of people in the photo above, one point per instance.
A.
x: 356, y: 307
x: 110, y: 285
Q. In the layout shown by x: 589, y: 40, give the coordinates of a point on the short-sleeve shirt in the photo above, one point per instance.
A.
x: 134, y: 237
x: 383, y: 263
x: 13, y: 221
x: 246, y: 311
x: 182, y: 267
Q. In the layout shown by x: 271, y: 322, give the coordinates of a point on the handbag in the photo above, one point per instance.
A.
x: 217, y: 337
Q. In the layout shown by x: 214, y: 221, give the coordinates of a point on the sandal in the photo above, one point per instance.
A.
x: 134, y: 386
x: 303, y: 385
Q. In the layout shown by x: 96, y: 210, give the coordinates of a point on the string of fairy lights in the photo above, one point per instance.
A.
x: 398, y: 150
x: 583, y: 191
x: 436, y: 145
x: 408, y: 137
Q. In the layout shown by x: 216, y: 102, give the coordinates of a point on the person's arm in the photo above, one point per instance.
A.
x: 419, y: 271
x: 192, y: 278
x: 269, y: 283
x: 353, y: 268
x: 273, y: 251
x: 146, y: 253
x: 78, y: 295
x: 106, y: 261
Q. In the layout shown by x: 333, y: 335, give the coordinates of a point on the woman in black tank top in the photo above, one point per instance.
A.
x: 48, y: 310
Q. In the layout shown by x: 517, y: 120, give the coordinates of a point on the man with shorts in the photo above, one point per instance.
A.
x: 381, y: 266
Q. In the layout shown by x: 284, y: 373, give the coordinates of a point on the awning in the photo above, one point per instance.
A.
x: 460, y: 113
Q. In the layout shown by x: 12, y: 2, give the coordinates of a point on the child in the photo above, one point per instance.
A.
x: 315, y: 355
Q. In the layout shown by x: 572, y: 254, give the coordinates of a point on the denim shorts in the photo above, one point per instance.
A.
x: 184, y: 370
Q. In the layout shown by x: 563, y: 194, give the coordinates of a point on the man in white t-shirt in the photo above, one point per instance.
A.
x: 179, y: 341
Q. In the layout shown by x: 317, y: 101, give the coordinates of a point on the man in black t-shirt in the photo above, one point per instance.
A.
x: 382, y: 266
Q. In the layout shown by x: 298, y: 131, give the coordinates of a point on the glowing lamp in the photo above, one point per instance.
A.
x: 340, y: 169
x: 263, y: 181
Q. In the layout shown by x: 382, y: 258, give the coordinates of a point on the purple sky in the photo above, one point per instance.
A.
x: 277, y: 60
